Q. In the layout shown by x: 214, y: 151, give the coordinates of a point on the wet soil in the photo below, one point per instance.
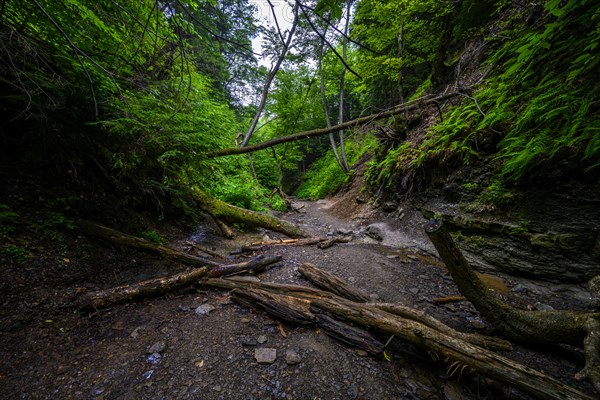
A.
x: 172, y: 348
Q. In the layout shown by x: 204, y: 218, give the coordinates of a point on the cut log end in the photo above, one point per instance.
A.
x: 433, y: 225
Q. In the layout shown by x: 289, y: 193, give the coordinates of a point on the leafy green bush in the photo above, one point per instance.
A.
x: 325, y: 175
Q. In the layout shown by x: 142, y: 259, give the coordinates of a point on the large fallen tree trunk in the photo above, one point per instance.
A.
x: 101, y: 231
x: 304, y: 306
x: 154, y: 287
x: 536, y: 327
x: 416, y: 104
x: 222, y: 211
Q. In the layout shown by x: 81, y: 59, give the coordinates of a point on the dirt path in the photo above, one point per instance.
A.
x: 198, y: 344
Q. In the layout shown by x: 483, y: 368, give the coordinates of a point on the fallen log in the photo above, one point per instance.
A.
x: 253, y: 267
x: 123, y: 239
x: 304, y: 310
x: 536, y: 327
x: 204, y: 250
x: 306, y: 292
x: 332, y: 283
x: 322, y: 243
x: 224, y: 212
x: 154, y: 287
x: 448, y: 299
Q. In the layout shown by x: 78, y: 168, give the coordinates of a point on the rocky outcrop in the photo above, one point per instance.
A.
x: 550, y: 236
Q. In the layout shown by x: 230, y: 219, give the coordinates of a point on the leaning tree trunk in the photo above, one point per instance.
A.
x: 537, y: 327
x: 222, y: 211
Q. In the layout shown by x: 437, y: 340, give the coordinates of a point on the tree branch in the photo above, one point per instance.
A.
x: 418, y: 103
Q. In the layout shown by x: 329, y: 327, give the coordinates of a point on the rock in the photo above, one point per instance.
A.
x: 389, y: 206
x: 344, y: 232
x: 543, y: 307
x: 265, y: 355
x: 292, y: 357
x: 154, y: 358
x: 248, y: 341
x: 361, y: 353
x: 245, y: 320
x: 476, y: 323
x: 204, y: 309
x: 519, y: 288
x: 136, y: 332
x: 360, y: 200
x: 414, y: 290
x: 157, y: 347
x: 375, y: 232
x: 261, y: 339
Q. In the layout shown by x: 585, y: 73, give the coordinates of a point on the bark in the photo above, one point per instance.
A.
x: 305, y: 309
x: 204, y: 250
x: 253, y: 267
x: 591, y: 347
x: 154, y: 287
x: 270, y: 77
x: 535, y: 327
x: 322, y: 243
x: 332, y: 283
x: 401, y: 312
x: 409, y: 106
x: 227, y: 212
x: 101, y: 231
x: 342, y: 87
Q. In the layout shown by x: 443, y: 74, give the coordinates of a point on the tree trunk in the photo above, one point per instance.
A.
x: 342, y: 87
x: 270, y: 77
x: 304, y: 306
x: 536, y: 327
x: 409, y: 106
x: 158, y: 286
x: 101, y: 231
x: 227, y: 212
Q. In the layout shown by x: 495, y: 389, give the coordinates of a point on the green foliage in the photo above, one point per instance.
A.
x: 152, y: 236
x: 17, y: 253
x: 8, y: 219
x: 325, y: 175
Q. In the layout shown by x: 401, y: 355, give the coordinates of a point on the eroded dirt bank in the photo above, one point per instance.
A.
x: 198, y: 344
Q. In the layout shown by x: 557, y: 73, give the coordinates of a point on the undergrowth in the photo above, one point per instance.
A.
x: 325, y: 175
x: 538, y: 116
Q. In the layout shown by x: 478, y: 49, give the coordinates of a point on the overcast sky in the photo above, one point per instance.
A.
x: 285, y: 17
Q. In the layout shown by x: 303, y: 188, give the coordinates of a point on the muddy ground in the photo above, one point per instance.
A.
x: 198, y: 344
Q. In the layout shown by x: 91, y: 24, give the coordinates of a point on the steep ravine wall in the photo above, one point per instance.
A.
x: 551, y: 234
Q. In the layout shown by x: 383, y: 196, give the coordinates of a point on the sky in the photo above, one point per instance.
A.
x: 285, y: 17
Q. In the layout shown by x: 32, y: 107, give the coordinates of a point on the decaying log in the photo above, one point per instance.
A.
x: 228, y: 213
x: 591, y: 346
x: 322, y: 243
x: 154, y: 287
x: 351, y: 335
x: 537, y: 327
x: 204, y: 250
x: 332, y: 283
x: 254, y: 267
x: 304, y: 309
x: 487, y: 342
x: 330, y: 242
x: 101, y: 231
x: 226, y: 231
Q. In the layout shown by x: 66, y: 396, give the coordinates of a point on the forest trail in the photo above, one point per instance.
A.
x: 198, y: 344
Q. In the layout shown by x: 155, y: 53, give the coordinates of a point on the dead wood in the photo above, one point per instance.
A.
x: 322, y: 243
x: 253, y: 267
x: 204, y: 250
x: 101, y: 231
x: 332, y: 283
x: 303, y: 310
x: 536, y: 327
x: 154, y: 287
x: 418, y: 103
x: 223, y: 212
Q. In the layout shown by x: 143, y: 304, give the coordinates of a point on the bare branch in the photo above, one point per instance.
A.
x: 314, y: 28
